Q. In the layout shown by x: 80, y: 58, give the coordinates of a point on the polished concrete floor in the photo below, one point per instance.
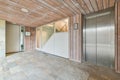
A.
x: 36, y: 65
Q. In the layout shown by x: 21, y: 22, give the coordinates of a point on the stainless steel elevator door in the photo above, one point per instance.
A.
x: 91, y: 40
x: 105, y: 40
x: 98, y: 38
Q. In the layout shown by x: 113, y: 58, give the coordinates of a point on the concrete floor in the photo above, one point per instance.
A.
x: 39, y: 66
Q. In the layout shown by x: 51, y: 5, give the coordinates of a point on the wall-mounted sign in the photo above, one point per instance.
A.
x: 27, y: 33
x: 75, y: 26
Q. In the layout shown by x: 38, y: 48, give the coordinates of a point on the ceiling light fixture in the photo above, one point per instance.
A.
x: 24, y: 10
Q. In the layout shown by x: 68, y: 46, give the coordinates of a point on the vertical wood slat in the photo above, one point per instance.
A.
x: 70, y: 38
x: 118, y: 55
x: 33, y: 38
x: 116, y: 37
x: 117, y: 20
x: 75, y: 38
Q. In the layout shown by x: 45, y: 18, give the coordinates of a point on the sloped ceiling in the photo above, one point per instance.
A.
x: 44, y: 11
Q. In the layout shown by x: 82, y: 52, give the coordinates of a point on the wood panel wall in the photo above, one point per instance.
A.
x: 117, y: 19
x: 75, y: 38
x: 30, y: 41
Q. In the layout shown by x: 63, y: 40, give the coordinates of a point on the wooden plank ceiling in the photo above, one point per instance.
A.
x: 44, y: 11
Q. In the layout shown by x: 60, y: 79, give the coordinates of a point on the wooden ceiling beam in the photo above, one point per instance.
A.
x: 83, y: 5
x: 72, y: 6
x: 94, y: 4
x: 44, y: 11
x: 105, y: 3
x: 89, y: 5
x: 51, y: 7
x: 78, y: 6
x: 111, y: 3
x: 67, y: 6
x: 100, y: 4
x: 61, y: 7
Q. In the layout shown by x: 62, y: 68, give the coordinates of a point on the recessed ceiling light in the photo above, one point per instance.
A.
x: 24, y: 10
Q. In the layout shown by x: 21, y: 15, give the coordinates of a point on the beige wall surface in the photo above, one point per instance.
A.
x: 2, y: 38
x: 12, y: 38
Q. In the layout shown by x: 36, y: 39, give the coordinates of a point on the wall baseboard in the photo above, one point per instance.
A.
x: 12, y: 52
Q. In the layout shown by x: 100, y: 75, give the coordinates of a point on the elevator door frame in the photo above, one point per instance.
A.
x: 84, y: 34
